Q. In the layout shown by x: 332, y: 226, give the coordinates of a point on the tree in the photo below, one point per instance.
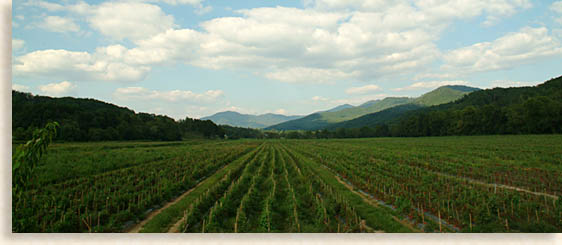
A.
x: 24, y: 161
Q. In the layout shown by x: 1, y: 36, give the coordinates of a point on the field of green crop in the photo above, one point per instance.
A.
x: 442, y: 184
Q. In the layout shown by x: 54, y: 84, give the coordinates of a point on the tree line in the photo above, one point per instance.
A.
x: 522, y: 110
x: 93, y: 120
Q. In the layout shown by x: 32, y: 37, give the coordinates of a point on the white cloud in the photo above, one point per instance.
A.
x: 556, y: 7
x: 46, y: 5
x: 430, y: 85
x: 330, y: 42
x: 204, y: 10
x: 435, y: 75
x: 508, y: 84
x: 118, y: 20
x: 516, y: 48
x: 59, y: 24
x: 166, y: 47
x: 176, y: 2
x: 19, y: 87
x: 105, y: 65
x: 363, y: 89
x: 58, y: 89
x: 17, y: 44
x: 281, y: 111
x: 140, y: 93
x: 132, y: 20
x: 319, y: 98
x: 307, y: 75
x: 357, y: 100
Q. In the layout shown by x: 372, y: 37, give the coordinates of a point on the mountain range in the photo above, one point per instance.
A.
x: 236, y: 119
x: 358, y: 116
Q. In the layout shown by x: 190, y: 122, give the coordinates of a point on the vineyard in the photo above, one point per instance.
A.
x: 445, y: 184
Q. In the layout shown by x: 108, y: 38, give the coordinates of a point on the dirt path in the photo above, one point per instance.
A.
x: 501, y: 186
x: 368, y: 200
x: 138, y: 227
x: 176, y: 227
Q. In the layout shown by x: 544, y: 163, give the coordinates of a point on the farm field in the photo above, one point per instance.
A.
x: 444, y: 184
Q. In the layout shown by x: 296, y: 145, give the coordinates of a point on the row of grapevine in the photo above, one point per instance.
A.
x: 415, y: 192
x: 275, y: 192
x: 107, y: 202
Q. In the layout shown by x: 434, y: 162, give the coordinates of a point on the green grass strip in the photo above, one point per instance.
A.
x: 165, y: 219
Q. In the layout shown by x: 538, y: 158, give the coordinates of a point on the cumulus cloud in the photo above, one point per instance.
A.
x: 430, y: 85
x: 105, y: 65
x: 331, y: 41
x: 132, y: 20
x: 524, y: 46
x: 357, y: 100
x: 59, y: 24
x: 307, y: 75
x: 319, y: 98
x: 509, y: 84
x: 557, y: 8
x: 58, y: 89
x: 49, y: 6
x: 281, y: 111
x: 176, y: 2
x: 363, y: 89
x: 19, y: 87
x: 17, y: 44
x: 140, y: 93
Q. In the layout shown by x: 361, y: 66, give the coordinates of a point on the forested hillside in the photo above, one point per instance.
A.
x: 93, y: 120
x: 361, y: 115
x: 236, y: 119
x: 522, y: 110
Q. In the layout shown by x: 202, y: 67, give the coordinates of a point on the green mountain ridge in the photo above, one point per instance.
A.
x: 236, y: 119
x: 94, y: 120
x: 328, y: 119
x: 517, y: 110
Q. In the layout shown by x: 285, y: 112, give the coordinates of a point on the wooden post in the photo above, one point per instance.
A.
x: 537, y: 214
x: 439, y: 213
x: 423, y: 215
x: 338, y: 226
x: 470, y: 221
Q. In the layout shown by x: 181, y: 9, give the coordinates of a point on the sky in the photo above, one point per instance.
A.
x: 194, y: 58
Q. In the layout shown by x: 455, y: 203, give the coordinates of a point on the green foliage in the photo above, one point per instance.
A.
x: 368, y: 114
x: 24, y: 163
x: 92, y: 120
x: 236, y: 119
x: 527, y: 110
x: 26, y: 157
x: 359, y: 185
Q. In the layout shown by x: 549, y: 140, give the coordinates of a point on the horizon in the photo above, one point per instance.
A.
x: 285, y: 57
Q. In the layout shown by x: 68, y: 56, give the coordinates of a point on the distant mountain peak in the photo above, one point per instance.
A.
x: 324, y: 119
x: 462, y: 88
x: 237, y: 119
x: 340, y: 107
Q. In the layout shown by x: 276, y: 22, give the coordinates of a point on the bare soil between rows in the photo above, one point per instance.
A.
x: 138, y: 227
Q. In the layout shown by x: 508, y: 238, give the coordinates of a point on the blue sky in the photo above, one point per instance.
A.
x: 198, y: 57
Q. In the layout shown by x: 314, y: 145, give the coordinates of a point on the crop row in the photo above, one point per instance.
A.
x: 274, y: 192
x: 417, y: 188
x: 111, y: 201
